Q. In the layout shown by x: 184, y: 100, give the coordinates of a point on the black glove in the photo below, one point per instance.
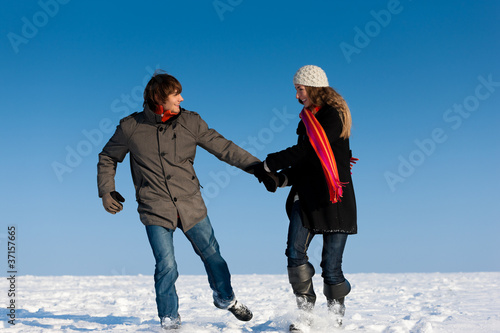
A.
x: 257, y: 169
x: 117, y: 196
x: 281, y: 179
x: 269, y: 179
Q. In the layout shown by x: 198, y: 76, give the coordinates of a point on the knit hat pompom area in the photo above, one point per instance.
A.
x: 311, y: 76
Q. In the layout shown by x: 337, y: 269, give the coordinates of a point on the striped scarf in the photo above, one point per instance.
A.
x: 321, y: 145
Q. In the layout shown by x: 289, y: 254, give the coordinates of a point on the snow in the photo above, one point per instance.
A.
x: 416, y: 302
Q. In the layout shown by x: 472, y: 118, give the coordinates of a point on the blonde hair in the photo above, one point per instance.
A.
x: 321, y: 96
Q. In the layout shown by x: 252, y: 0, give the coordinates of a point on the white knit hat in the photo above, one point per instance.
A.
x: 311, y: 76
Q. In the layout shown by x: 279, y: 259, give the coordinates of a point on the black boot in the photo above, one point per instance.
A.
x: 301, y: 280
x: 335, y: 295
x: 240, y: 311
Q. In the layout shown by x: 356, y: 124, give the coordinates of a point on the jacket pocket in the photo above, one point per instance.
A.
x: 192, y: 194
x: 144, y: 192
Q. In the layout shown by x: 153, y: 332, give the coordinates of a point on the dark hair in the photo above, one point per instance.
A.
x: 159, y: 87
x: 321, y: 96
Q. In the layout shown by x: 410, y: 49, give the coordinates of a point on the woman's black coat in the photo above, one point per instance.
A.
x: 303, y: 169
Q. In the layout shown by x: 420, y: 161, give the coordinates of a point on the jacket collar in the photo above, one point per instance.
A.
x: 325, y: 109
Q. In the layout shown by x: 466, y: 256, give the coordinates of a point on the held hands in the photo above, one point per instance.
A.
x: 270, y: 179
x: 112, y: 202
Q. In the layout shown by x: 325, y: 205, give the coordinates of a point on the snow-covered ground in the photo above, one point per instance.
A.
x: 417, y: 302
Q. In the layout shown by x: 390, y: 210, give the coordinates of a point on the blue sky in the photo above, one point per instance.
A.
x: 422, y: 80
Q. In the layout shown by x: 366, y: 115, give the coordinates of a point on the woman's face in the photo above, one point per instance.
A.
x: 302, y: 95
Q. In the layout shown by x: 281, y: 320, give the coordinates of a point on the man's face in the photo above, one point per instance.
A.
x: 173, y: 102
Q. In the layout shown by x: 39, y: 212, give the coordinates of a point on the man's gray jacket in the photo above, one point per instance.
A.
x: 161, y: 158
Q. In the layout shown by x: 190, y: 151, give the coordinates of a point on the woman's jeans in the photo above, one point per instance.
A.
x: 203, y: 240
x: 298, y: 242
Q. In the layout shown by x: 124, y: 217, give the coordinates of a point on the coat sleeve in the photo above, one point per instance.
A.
x: 113, y: 153
x: 303, y: 150
x: 290, y: 156
x: 222, y: 148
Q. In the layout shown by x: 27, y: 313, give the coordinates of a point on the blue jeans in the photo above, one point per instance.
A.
x: 299, y: 239
x: 203, y: 240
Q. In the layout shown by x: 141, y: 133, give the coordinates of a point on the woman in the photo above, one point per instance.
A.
x: 321, y: 200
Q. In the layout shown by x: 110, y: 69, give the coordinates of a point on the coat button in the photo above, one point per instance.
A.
x: 168, y: 177
x: 160, y: 129
x: 163, y: 154
x: 175, y: 199
x: 192, y: 178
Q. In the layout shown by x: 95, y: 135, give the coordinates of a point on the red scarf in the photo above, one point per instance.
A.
x: 321, y: 145
x: 165, y: 115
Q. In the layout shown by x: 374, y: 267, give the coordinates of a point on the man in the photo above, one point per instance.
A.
x: 162, y: 141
